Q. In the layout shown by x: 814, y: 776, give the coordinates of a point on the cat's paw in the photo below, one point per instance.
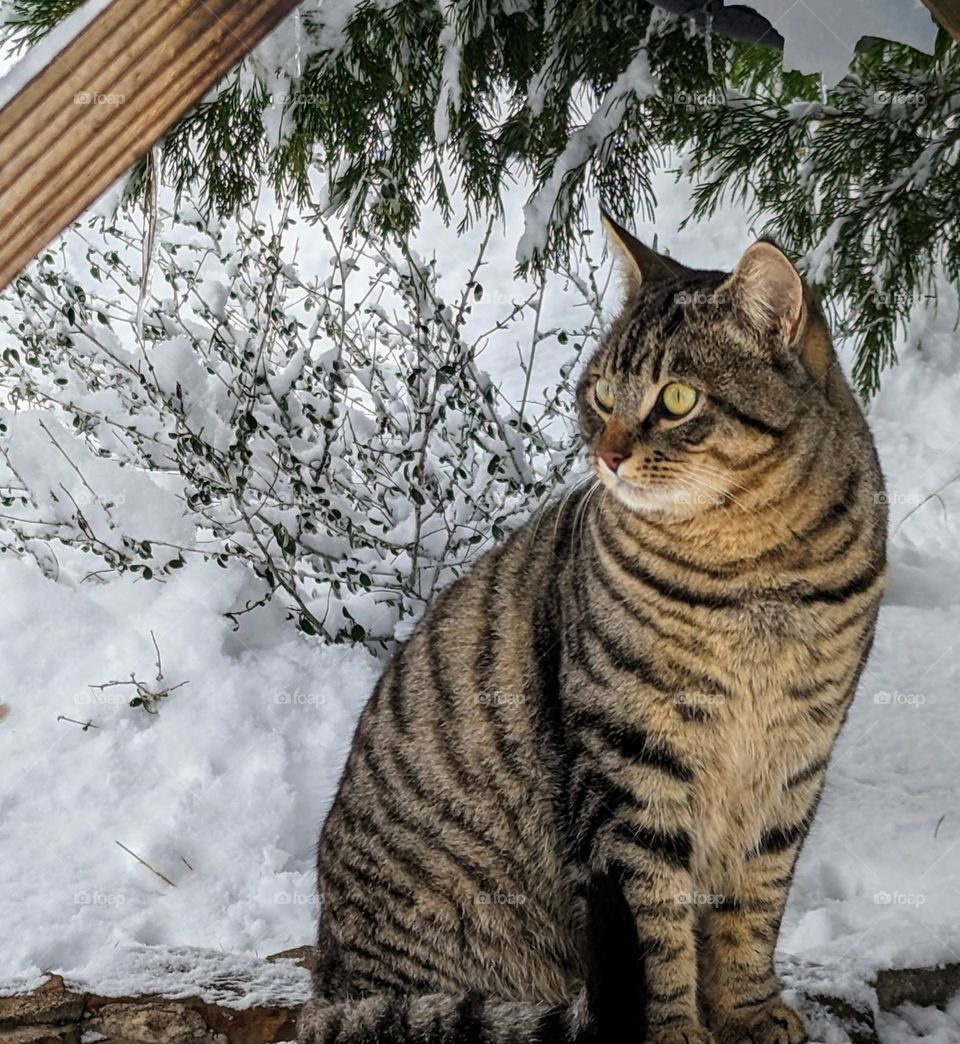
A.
x: 773, y: 1023
x: 679, y: 1033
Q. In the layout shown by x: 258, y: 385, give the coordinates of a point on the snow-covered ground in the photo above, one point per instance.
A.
x: 223, y: 791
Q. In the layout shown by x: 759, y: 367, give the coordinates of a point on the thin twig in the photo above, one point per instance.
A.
x: 162, y: 877
x: 153, y: 638
x: 73, y: 721
x: 935, y: 495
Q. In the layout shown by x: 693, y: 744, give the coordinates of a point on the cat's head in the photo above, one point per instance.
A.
x: 698, y: 377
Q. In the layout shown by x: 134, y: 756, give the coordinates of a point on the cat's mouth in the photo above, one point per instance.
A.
x: 680, y: 495
x: 664, y: 497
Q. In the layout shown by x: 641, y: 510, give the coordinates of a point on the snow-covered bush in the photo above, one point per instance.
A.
x: 190, y: 391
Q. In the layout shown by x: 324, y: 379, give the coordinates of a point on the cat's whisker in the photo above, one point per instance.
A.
x: 582, y: 511
x: 548, y: 502
x: 707, y: 471
x: 722, y: 476
x: 585, y: 481
x: 700, y: 486
x: 697, y: 484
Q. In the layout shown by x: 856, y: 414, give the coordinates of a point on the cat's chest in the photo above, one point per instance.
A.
x: 761, y: 652
x: 743, y: 758
x: 752, y: 738
x: 763, y: 623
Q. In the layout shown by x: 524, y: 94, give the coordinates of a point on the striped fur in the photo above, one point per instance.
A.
x: 574, y: 801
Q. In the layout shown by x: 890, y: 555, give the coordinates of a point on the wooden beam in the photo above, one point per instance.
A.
x: 947, y: 13
x: 105, y: 97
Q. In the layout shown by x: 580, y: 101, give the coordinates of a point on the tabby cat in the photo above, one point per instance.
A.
x: 574, y: 801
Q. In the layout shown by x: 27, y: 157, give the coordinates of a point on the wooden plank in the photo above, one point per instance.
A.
x: 108, y: 95
x: 947, y: 13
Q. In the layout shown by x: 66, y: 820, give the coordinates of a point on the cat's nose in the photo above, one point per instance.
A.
x: 612, y: 459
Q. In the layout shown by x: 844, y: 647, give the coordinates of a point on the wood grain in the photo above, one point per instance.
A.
x: 947, y: 13
x: 104, y: 99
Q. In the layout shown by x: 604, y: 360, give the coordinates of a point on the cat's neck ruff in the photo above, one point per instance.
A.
x: 730, y: 534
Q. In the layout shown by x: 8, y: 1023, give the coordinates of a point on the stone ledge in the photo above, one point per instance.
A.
x: 920, y: 986
x: 41, y: 1035
x: 50, y: 1003
x: 56, y: 1014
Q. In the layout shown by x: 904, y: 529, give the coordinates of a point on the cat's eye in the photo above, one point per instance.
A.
x: 604, y: 394
x: 678, y: 398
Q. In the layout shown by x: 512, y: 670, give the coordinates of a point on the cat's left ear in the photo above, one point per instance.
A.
x: 640, y: 265
x: 767, y: 295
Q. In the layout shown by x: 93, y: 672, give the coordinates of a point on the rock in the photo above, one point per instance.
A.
x: 116, y: 1019
x: 49, y: 1003
x: 305, y: 956
x: 920, y: 986
x: 153, y: 1023
x: 41, y: 1034
x: 858, y: 1021
x: 52, y: 1014
x: 251, y: 1025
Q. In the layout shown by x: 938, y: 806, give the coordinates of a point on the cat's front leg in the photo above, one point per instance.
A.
x: 652, y: 867
x: 740, y: 987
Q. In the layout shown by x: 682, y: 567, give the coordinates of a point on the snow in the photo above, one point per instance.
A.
x: 821, y: 35
x: 817, y: 262
x: 880, y: 877
x: 449, y: 94
x: 44, y: 454
x: 222, y: 791
x: 913, y: 1025
x: 232, y: 979
x: 636, y: 80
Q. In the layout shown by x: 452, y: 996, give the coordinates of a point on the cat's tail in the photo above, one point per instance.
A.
x: 608, y: 1009
x: 439, y: 1018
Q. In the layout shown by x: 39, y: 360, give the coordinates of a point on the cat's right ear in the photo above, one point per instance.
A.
x: 768, y: 294
x: 639, y: 264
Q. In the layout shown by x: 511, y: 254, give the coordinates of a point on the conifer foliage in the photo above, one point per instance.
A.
x: 379, y: 109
